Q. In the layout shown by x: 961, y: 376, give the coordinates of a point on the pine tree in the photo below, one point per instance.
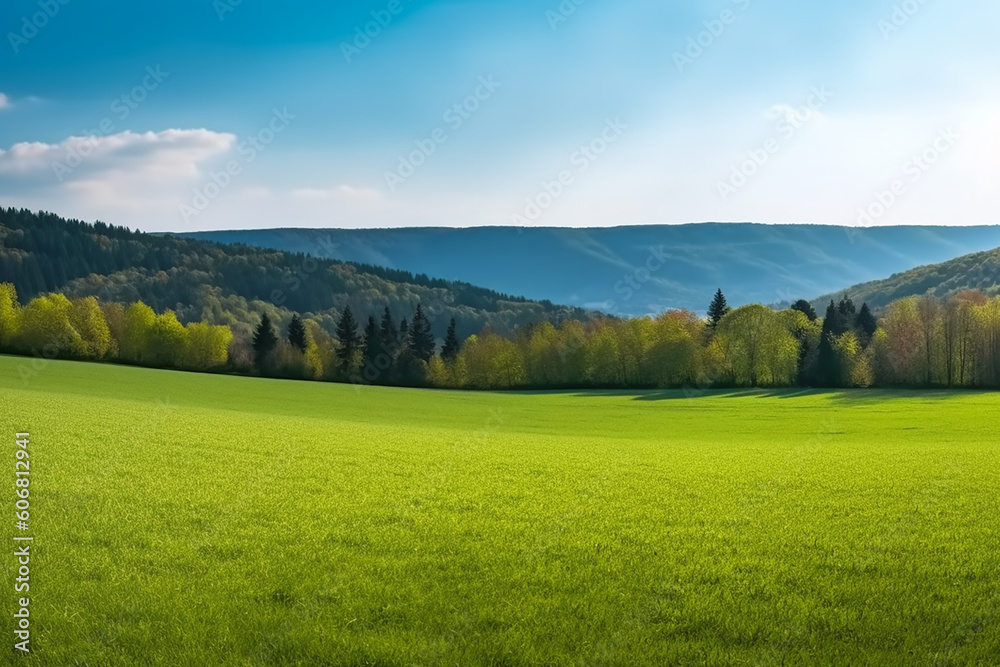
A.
x: 866, y: 325
x: 828, y: 363
x: 421, y: 338
x: 347, y: 334
x: 389, y: 333
x: 717, y: 310
x: 451, y: 344
x: 264, y: 340
x: 297, y: 333
x: 835, y: 321
x: 372, y: 351
x: 404, y: 334
x: 848, y: 313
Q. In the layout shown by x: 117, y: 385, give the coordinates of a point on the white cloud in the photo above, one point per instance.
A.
x: 107, y: 177
x: 168, y: 155
x: 4, y: 102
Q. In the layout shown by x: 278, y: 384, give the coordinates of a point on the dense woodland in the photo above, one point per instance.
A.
x: 372, y: 326
x: 233, y: 285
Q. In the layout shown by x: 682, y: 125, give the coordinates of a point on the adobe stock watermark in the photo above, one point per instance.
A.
x: 249, y: 150
x: 901, y: 15
x: 364, y: 34
x: 790, y: 122
x: 582, y: 158
x: 714, y: 29
x: 122, y: 107
x: 31, y: 25
x: 310, y: 265
x: 633, y: 282
x: 455, y: 116
x: 912, y: 171
x: 223, y: 7
x: 562, y: 13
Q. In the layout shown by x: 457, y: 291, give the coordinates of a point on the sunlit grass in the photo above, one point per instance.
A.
x: 192, y: 519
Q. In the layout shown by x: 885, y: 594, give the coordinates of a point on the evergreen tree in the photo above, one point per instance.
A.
x: 801, y: 369
x: 421, y: 338
x: 835, y: 321
x: 828, y: 363
x: 806, y: 308
x: 347, y: 334
x: 848, y: 313
x: 717, y: 310
x: 451, y: 344
x: 297, y: 333
x: 866, y: 325
x: 404, y: 334
x: 389, y: 334
x: 372, y: 352
x: 264, y: 340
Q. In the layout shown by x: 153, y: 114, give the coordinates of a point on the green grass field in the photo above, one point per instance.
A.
x: 186, y: 519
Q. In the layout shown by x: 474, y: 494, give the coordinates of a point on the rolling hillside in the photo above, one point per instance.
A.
x: 226, y: 284
x: 980, y: 270
x: 606, y: 268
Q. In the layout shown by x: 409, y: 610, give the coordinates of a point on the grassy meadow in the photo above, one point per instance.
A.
x: 184, y: 519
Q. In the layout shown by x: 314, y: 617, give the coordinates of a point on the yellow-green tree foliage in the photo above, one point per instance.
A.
x: 492, y: 362
x: 903, y: 361
x: 437, y: 372
x: 46, y: 328
x: 602, y: 362
x: 88, y: 319
x: 760, y: 349
x: 134, y: 344
x: 987, y: 317
x: 207, y: 346
x: 321, y: 351
x: 958, y: 331
x: 854, y: 367
x: 10, y: 314
x: 635, y: 338
x: 673, y: 358
x: 540, y: 351
x: 166, y: 341
x: 114, y: 315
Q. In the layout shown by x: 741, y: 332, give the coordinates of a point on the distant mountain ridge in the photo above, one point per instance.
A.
x: 640, y: 269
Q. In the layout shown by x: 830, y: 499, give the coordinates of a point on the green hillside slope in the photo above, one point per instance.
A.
x: 980, y: 271
x: 224, y: 284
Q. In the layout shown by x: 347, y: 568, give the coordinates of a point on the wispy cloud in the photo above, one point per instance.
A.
x: 170, y: 155
x: 4, y: 102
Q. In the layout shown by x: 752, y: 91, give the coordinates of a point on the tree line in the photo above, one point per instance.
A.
x: 916, y: 342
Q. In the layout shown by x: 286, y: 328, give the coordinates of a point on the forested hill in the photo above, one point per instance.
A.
x: 979, y: 271
x: 644, y: 269
x: 230, y: 284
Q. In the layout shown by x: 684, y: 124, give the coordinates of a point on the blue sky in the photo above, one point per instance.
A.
x: 203, y: 114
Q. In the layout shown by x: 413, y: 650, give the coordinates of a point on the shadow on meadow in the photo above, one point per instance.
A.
x: 846, y: 396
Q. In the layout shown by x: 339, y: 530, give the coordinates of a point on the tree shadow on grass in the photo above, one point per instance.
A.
x: 846, y: 396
